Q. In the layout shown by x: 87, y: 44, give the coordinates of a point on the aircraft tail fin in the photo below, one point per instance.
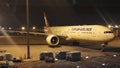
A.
x: 46, y: 21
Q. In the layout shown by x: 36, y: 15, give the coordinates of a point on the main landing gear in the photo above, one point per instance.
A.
x: 75, y: 43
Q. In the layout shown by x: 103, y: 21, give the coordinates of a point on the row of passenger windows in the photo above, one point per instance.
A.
x: 93, y: 32
x: 104, y: 32
x: 87, y: 32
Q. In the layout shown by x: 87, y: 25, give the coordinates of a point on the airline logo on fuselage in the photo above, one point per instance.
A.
x: 81, y: 29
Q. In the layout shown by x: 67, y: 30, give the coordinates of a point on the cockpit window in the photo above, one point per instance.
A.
x: 108, y: 32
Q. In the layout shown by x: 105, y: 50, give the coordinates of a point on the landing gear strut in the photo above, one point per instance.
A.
x: 104, y: 46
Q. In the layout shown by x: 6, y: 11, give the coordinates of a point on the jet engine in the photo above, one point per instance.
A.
x: 52, y: 40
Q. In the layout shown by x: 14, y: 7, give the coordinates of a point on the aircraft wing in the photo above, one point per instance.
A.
x: 36, y: 33
x: 51, y: 39
x: 24, y: 32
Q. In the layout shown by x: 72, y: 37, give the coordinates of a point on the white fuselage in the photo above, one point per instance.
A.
x: 84, y: 33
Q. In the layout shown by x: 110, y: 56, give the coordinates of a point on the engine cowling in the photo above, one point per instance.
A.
x: 52, y: 40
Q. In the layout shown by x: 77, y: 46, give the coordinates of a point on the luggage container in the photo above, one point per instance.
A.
x: 2, y: 54
x: 7, y: 64
x: 47, y: 56
x: 1, y: 57
x: 73, y: 56
x: 49, y: 59
x: 8, y: 56
x: 61, y: 55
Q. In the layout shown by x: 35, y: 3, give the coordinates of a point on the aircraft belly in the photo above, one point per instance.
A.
x: 86, y: 40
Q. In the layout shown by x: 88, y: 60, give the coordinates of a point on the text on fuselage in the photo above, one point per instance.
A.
x: 82, y: 29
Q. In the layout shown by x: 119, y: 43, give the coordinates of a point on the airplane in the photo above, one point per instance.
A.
x: 80, y: 33
x: 95, y: 34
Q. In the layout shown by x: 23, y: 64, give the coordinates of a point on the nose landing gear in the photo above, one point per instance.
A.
x: 104, y: 46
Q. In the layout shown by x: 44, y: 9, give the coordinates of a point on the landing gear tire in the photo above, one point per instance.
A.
x: 103, y: 48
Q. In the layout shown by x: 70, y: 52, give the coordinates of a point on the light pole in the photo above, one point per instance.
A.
x: 27, y: 17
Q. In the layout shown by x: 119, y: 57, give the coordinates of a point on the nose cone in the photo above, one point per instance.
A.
x: 111, y: 36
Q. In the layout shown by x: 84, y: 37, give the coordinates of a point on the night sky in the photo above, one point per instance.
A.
x: 60, y: 12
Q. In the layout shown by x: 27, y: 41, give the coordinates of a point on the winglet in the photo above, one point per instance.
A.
x: 46, y: 21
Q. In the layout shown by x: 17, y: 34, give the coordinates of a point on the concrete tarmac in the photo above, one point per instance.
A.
x: 16, y: 45
x: 20, y: 50
x: 35, y: 50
